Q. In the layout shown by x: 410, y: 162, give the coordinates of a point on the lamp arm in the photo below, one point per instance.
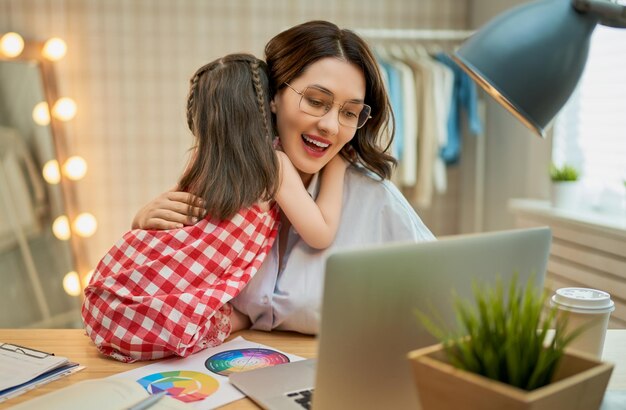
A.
x: 609, y: 13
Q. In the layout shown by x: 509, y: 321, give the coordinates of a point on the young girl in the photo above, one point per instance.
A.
x: 161, y: 293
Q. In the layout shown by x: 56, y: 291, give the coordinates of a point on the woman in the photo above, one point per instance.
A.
x: 316, y: 61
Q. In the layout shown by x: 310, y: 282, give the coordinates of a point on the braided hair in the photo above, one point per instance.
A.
x: 193, y: 86
x: 261, y: 95
x: 234, y: 164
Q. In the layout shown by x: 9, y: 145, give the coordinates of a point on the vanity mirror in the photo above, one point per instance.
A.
x: 33, y: 259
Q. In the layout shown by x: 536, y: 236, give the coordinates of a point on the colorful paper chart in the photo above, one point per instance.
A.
x: 183, y: 385
x: 239, y: 360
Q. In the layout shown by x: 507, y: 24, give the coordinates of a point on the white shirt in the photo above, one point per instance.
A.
x: 408, y: 158
x: 373, y: 212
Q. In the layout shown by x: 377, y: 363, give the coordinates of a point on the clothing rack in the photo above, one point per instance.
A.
x: 413, y: 34
x: 477, y: 224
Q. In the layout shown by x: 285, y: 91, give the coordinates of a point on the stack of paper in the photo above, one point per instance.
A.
x: 22, y: 369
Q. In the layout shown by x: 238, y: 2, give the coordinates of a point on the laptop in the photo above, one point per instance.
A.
x: 368, y: 323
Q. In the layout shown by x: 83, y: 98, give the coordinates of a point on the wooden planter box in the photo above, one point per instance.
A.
x: 579, y: 383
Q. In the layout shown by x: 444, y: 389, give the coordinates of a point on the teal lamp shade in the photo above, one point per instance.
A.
x: 530, y: 58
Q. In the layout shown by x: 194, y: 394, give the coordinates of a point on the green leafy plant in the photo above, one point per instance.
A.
x: 564, y: 173
x: 505, y: 339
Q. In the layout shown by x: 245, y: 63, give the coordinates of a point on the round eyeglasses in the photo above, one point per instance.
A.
x: 317, y: 102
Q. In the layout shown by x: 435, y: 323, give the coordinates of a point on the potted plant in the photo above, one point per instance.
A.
x: 504, y: 356
x: 564, y: 186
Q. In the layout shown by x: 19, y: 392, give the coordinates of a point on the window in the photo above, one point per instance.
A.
x: 590, y: 132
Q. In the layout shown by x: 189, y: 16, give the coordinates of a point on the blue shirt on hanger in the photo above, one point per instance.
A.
x: 464, y: 95
x: 395, y: 99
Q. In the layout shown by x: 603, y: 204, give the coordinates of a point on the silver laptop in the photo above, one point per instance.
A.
x: 368, y: 321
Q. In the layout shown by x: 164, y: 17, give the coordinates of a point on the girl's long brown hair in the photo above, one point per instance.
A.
x: 228, y: 112
x: 289, y: 53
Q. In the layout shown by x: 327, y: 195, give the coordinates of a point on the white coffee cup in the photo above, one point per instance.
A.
x: 590, y: 308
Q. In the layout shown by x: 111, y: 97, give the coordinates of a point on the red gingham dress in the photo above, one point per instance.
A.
x: 163, y: 293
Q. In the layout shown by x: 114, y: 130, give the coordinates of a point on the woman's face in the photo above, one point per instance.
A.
x: 309, y: 141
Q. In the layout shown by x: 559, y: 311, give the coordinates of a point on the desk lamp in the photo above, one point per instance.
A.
x: 530, y: 58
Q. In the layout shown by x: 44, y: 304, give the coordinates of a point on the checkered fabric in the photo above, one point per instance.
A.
x: 162, y: 293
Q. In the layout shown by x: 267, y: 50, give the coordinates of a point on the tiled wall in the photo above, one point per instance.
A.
x: 128, y: 67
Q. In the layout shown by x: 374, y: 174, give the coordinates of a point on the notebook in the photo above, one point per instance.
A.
x: 368, y: 323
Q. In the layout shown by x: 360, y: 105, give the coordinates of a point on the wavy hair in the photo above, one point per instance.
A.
x: 289, y: 53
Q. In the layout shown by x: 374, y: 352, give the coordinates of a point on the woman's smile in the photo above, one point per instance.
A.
x: 314, y: 145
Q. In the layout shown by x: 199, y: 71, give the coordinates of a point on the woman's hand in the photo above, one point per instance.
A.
x: 239, y: 321
x: 169, y: 210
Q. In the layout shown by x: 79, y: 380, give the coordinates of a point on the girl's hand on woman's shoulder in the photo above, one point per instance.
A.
x: 169, y: 210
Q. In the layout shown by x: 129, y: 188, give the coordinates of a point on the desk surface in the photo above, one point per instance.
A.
x: 73, y: 344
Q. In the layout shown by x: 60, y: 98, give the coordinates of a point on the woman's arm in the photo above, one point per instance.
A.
x: 316, y: 221
x: 169, y: 210
x: 239, y: 321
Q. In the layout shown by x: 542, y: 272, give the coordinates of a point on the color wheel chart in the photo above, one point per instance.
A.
x: 238, y: 360
x: 184, y: 385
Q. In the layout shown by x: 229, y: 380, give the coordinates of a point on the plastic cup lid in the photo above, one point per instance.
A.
x: 584, y: 299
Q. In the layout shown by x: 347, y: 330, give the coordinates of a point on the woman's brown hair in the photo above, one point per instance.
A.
x: 289, y: 53
x: 233, y: 165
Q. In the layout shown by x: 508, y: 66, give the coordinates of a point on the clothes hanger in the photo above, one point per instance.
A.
x: 420, y: 51
x: 436, y: 48
x: 381, y: 52
x: 396, y: 51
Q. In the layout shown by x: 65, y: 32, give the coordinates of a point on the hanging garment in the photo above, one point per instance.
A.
x: 442, y: 99
x: 464, y: 95
x: 387, y: 135
x: 394, y: 90
x: 430, y: 83
x: 408, y: 158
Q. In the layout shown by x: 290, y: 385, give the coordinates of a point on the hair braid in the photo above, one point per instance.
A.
x: 260, y: 94
x: 192, y: 93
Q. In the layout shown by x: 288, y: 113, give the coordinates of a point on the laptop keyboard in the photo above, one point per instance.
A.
x: 303, y: 398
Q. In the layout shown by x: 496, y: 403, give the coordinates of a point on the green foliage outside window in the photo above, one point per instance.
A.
x: 564, y: 173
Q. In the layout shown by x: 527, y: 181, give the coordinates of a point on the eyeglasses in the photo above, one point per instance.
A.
x: 317, y: 102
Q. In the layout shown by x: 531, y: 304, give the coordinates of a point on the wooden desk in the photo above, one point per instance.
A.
x: 72, y: 343
x: 75, y: 345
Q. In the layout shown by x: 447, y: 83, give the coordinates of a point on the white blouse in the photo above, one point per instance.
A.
x: 373, y: 212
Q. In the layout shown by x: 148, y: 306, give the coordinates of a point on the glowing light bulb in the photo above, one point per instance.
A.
x: 12, y: 44
x: 75, y: 168
x: 51, y: 172
x: 64, y: 109
x: 87, y: 278
x: 85, y: 225
x: 54, y: 49
x: 41, y: 114
x: 71, y: 283
x: 61, y: 228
